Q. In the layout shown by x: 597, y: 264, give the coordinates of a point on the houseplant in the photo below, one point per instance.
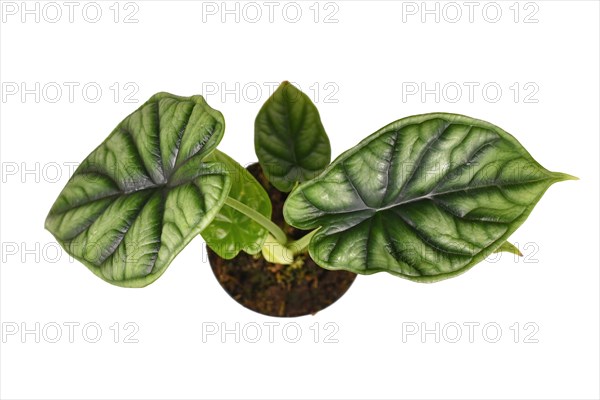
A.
x: 425, y: 198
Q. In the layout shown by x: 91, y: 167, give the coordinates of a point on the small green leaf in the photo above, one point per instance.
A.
x: 141, y: 196
x: 426, y: 198
x: 232, y: 231
x: 289, y: 138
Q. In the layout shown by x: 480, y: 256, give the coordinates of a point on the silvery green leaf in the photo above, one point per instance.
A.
x: 426, y: 198
x: 141, y: 196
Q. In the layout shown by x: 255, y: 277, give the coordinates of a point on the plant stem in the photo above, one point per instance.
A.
x: 276, y: 253
x: 260, y: 219
x: 301, y: 244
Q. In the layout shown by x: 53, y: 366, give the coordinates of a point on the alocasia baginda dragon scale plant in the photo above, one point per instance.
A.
x: 425, y: 197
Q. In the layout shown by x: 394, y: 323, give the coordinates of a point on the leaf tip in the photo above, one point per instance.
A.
x: 518, y: 252
x: 564, y: 177
x: 284, y: 85
x: 509, y: 248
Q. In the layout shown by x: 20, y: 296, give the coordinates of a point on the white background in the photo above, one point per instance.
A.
x: 368, y: 59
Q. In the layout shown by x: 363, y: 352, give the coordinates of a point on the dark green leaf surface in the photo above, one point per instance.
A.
x: 425, y: 198
x: 289, y: 138
x: 231, y: 231
x: 145, y: 192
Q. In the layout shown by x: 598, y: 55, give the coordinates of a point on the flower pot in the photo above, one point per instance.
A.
x: 278, y: 290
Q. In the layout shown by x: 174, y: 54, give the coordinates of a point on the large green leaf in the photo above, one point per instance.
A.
x: 289, y: 138
x: 231, y: 231
x: 425, y: 198
x: 141, y: 196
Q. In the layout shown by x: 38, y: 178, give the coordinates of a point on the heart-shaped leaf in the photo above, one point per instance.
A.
x: 141, y: 196
x: 289, y: 138
x: 425, y: 198
x: 232, y: 231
